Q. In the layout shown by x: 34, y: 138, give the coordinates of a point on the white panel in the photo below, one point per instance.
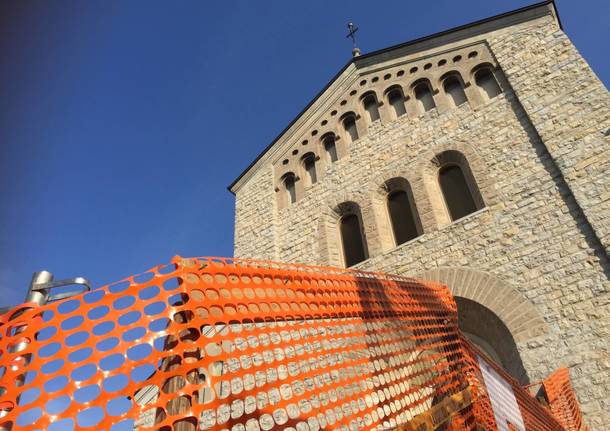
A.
x: 502, y: 397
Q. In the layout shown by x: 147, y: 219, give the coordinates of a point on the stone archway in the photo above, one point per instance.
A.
x: 492, y: 314
x: 486, y: 331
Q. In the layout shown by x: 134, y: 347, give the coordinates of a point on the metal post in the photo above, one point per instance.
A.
x: 39, y: 293
x: 37, y: 297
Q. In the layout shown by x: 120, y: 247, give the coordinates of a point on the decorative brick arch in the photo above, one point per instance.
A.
x: 520, y: 316
x: 492, y: 309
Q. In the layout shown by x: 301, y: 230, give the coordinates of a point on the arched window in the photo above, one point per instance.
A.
x: 369, y: 101
x: 309, y: 164
x: 454, y: 89
x: 349, y: 124
x: 457, y: 194
x: 397, y: 101
x: 486, y: 81
x: 289, y: 186
x: 423, y: 95
x: 330, y: 147
x: 352, y: 240
x: 403, y: 216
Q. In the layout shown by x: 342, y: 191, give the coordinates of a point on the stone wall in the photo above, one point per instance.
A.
x: 539, y: 156
x: 570, y: 109
x: 256, y: 218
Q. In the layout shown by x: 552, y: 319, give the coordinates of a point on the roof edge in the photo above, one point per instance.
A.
x: 294, y: 120
x: 459, y: 28
x: 359, y: 59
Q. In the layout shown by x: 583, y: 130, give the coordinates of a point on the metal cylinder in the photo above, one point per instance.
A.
x: 38, y: 297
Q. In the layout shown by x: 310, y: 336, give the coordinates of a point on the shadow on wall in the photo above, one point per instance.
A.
x: 411, y: 336
x: 550, y: 165
x: 484, y: 329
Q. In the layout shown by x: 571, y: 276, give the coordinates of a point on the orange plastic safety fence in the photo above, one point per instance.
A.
x: 491, y: 412
x: 562, y: 400
x: 225, y: 344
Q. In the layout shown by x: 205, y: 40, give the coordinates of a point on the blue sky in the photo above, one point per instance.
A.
x: 122, y: 123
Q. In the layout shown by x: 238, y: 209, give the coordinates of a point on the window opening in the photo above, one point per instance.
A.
x: 455, y: 91
x: 290, y: 188
x: 349, y: 123
x: 330, y: 148
x: 486, y: 81
x: 351, y: 237
x: 402, y: 217
x: 423, y: 94
x: 370, y: 106
x: 397, y: 101
x: 456, y: 192
x: 310, y: 168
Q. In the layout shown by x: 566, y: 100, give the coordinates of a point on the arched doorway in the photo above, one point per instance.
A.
x: 493, y: 314
x: 485, y: 330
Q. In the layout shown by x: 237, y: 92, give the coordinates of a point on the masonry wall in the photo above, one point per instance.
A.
x: 256, y: 218
x: 539, y: 155
x: 570, y: 109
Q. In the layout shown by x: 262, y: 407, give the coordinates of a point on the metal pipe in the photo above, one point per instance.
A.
x: 38, y: 297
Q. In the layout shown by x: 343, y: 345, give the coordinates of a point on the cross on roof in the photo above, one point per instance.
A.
x: 352, y: 35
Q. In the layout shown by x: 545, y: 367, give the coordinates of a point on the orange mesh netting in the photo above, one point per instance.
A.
x: 562, y: 400
x: 502, y: 404
x: 240, y: 345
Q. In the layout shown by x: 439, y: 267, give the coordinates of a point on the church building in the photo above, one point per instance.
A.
x: 478, y: 157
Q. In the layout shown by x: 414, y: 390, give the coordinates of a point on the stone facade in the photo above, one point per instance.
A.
x: 529, y: 268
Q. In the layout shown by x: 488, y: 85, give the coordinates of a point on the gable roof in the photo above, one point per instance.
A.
x: 364, y: 57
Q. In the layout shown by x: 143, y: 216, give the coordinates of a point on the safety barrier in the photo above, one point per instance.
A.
x: 562, y: 400
x: 241, y: 345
